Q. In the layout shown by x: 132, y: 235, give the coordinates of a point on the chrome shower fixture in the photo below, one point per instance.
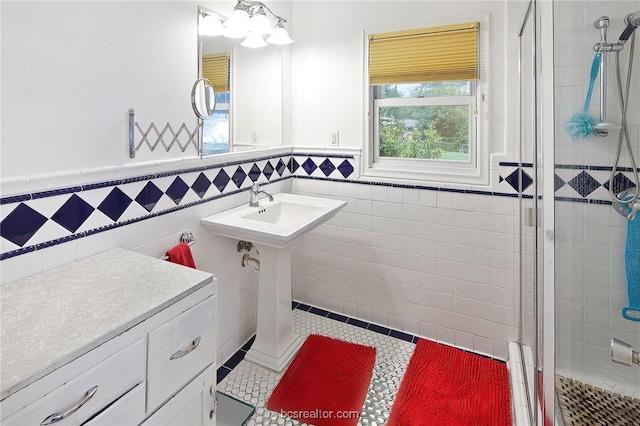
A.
x: 632, y: 21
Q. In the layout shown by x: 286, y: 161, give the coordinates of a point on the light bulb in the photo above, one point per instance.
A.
x: 259, y: 22
x: 211, y: 26
x: 237, y: 26
x: 253, y: 41
x: 279, y: 35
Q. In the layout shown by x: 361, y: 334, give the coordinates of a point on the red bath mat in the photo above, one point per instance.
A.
x: 326, y: 382
x: 447, y: 386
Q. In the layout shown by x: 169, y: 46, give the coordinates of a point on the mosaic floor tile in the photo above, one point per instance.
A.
x: 253, y: 384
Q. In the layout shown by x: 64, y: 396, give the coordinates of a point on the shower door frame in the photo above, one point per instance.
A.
x: 540, y: 15
x: 547, y: 139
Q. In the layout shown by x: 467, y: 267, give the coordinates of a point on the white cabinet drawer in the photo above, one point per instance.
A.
x: 128, y: 410
x: 194, y: 405
x: 109, y: 380
x: 179, y: 350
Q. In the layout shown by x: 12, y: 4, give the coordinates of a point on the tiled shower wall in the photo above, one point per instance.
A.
x: 591, y: 287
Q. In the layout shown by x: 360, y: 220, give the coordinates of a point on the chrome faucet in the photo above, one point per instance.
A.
x: 255, y: 195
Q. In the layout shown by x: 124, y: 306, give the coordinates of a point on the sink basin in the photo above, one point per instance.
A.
x: 272, y: 227
x: 276, y: 223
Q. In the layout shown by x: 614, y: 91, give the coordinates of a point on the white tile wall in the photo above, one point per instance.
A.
x: 591, y: 285
x: 237, y: 286
x: 438, y: 264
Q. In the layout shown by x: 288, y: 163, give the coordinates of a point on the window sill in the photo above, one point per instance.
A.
x: 457, y: 176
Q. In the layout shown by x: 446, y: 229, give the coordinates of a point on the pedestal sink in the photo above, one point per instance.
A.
x: 272, y: 228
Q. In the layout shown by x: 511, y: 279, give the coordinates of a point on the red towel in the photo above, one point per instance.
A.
x: 181, y: 254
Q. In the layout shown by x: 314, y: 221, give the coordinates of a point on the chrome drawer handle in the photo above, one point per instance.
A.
x: 54, y: 418
x: 183, y: 352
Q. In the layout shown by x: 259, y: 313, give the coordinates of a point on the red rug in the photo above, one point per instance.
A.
x: 326, y: 382
x: 447, y: 386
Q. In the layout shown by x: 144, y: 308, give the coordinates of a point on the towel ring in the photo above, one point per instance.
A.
x: 187, y: 238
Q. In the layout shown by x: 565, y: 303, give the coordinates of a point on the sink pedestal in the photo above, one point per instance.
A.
x: 276, y: 343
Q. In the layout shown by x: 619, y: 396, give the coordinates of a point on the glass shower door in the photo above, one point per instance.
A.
x: 531, y: 229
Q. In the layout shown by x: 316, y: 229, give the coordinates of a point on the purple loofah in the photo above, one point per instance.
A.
x: 579, y: 126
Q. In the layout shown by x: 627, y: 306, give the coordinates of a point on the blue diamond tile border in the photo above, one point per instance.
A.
x: 115, y: 204
x: 74, y: 212
x: 21, y: 224
x: 176, y: 190
x: 23, y: 219
x: 238, y: 177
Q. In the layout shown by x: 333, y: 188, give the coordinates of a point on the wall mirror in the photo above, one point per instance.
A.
x: 248, y: 85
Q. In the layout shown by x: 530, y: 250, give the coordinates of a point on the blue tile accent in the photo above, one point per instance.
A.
x: 620, y: 183
x: 313, y: 154
x: 254, y: 173
x: 15, y: 199
x: 280, y: 167
x: 177, y: 189
x: 221, y: 180
x: 115, y: 204
x: 294, y: 304
x: 309, y: 165
x: 21, y: 224
x: 249, y: 343
x: 379, y: 329
x: 18, y: 252
x: 268, y: 170
x: 55, y: 192
x: 327, y: 167
x: 403, y: 336
x: 358, y: 323
x: 74, y: 212
x: 337, y: 317
x: 519, y: 180
x: 239, y: 176
x: 235, y: 360
x: 318, y: 311
x: 558, y: 182
x: 292, y: 166
x: 345, y: 168
x: 149, y: 196
x: 222, y: 373
x: 201, y: 185
x: 584, y: 184
x: 303, y: 307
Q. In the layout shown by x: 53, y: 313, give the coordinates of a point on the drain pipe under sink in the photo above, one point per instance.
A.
x: 248, y: 260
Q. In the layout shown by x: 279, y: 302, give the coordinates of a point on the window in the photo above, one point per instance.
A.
x: 423, y: 88
x: 215, y: 129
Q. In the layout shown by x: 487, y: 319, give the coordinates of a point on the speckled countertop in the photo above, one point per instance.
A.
x: 51, y: 318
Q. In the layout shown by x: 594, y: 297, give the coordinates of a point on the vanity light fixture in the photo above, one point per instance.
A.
x: 279, y: 35
x: 211, y: 25
x: 249, y: 20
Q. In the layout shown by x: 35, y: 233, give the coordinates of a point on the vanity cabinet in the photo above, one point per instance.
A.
x: 117, y: 361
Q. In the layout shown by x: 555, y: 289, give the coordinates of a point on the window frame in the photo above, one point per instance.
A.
x: 428, y: 170
x: 417, y: 163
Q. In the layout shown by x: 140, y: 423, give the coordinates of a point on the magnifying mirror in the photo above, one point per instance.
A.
x: 203, y: 98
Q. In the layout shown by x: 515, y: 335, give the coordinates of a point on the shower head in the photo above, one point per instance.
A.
x: 633, y: 21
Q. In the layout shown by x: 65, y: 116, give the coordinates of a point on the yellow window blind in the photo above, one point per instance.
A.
x: 215, y: 68
x: 447, y: 53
